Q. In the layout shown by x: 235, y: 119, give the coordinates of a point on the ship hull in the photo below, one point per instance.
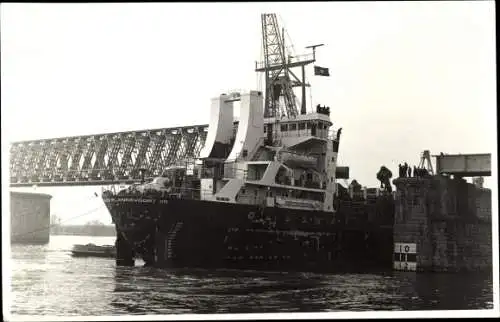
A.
x: 205, y: 234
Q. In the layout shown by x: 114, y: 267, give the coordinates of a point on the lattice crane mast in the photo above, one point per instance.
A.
x: 425, y: 162
x: 280, y: 80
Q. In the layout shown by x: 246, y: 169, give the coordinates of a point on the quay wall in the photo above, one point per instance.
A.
x: 447, y: 220
x: 29, y: 217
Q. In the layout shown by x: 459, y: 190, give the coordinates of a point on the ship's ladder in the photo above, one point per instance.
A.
x: 171, y: 239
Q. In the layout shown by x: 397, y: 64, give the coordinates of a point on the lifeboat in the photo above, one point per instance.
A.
x: 92, y: 250
x: 294, y: 160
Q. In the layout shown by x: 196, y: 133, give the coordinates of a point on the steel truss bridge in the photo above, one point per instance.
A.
x: 102, y: 159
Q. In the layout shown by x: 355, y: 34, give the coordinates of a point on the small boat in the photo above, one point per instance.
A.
x: 92, y: 250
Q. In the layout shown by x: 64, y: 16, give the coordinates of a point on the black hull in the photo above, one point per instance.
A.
x: 205, y: 234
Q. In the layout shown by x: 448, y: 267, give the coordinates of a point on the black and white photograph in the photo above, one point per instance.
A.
x: 253, y: 160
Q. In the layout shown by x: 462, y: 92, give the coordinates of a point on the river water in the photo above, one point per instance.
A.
x: 46, y: 280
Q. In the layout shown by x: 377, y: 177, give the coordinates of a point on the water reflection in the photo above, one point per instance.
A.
x: 455, y: 291
x: 200, y: 291
x: 47, y: 280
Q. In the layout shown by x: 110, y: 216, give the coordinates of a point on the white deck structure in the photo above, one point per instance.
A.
x: 464, y: 165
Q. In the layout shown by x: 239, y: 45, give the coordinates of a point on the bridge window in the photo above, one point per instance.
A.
x: 302, y: 126
x: 314, y: 126
x: 256, y: 172
x: 282, y: 177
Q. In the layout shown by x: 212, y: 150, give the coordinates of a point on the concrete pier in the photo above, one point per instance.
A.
x: 29, y: 217
x: 442, y: 224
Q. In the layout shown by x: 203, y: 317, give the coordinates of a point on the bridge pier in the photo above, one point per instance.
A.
x: 29, y: 217
x: 442, y: 224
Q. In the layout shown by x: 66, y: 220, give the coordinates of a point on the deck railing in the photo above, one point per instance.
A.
x: 173, y: 192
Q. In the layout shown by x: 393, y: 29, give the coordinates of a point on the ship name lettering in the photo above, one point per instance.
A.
x: 136, y: 200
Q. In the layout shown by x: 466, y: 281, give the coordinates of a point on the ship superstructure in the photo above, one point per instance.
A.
x: 263, y: 196
x: 279, y: 157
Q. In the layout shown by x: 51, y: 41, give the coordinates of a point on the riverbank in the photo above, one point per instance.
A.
x: 84, y: 230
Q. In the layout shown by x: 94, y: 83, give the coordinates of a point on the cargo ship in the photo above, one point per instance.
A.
x: 264, y: 195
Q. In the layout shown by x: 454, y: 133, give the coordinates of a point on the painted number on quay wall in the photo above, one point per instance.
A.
x: 405, y: 257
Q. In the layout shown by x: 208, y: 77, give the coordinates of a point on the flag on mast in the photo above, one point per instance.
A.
x: 321, y: 71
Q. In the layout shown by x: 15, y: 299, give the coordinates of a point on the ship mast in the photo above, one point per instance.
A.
x: 280, y: 79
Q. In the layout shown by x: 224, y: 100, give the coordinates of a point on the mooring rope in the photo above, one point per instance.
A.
x: 52, y: 225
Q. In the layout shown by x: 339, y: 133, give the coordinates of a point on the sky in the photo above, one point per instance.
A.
x: 405, y: 76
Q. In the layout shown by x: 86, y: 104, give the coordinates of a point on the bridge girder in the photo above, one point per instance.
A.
x: 464, y: 165
x: 103, y: 158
